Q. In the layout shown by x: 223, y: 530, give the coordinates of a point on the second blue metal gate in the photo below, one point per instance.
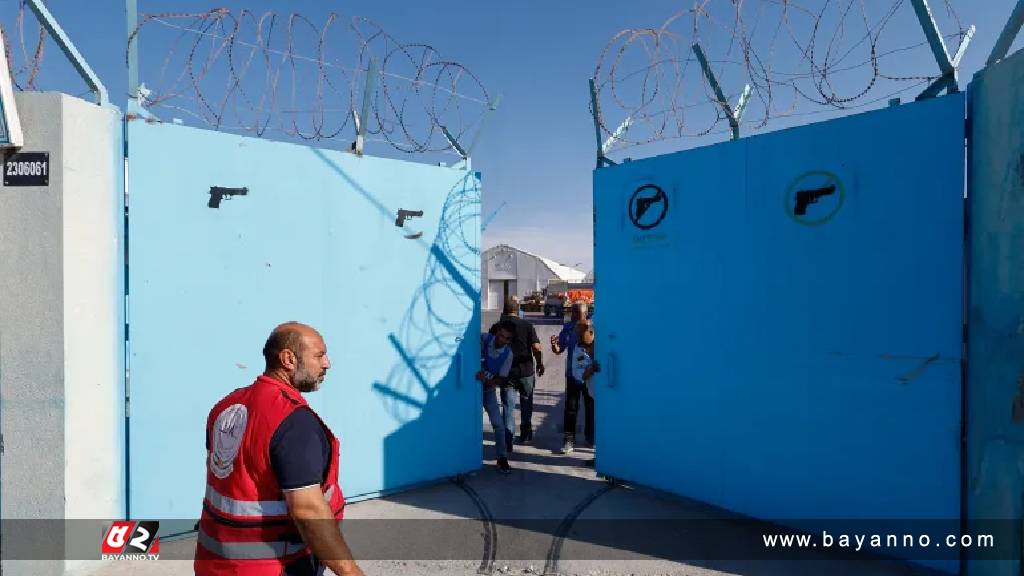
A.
x: 781, y: 316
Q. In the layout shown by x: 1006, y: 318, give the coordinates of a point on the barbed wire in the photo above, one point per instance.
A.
x: 263, y: 73
x: 826, y: 55
x: 24, y: 61
x: 266, y: 72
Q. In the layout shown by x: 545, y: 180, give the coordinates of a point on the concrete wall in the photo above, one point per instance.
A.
x: 995, y: 453
x: 61, y: 342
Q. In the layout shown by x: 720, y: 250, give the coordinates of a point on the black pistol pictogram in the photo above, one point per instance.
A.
x: 805, y: 198
x: 404, y: 215
x: 217, y: 193
x: 644, y: 204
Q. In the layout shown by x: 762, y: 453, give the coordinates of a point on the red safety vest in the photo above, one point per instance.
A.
x: 245, y: 527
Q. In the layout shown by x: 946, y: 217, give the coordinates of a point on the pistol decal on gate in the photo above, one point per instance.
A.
x: 218, y: 193
x: 805, y: 198
x: 404, y: 215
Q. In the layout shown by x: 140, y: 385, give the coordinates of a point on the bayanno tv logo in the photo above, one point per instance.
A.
x: 131, y: 540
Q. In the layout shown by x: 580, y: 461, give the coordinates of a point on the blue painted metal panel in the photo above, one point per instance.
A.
x: 793, y: 366
x: 995, y: 450
x: 314, y: 240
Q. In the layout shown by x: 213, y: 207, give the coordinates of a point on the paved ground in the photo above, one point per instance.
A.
x: 544, y: 485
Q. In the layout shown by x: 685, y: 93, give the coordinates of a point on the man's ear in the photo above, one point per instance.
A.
x: 287, y: 359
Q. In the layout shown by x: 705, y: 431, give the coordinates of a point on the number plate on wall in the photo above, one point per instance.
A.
x: 27, y: 169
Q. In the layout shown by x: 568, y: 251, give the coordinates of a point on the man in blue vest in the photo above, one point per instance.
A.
x: 527, y: 365
x: 495, y: 365
x: 566, y: 342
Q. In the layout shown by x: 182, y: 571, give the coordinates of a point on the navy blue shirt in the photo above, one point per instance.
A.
x: 299, y: 451
x: 299, y: 455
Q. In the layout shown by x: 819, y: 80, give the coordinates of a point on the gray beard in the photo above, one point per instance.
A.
x: 304, y: 380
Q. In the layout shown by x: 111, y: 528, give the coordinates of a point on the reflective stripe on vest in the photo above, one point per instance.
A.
x: 255, y: 509
x: 249, y: 550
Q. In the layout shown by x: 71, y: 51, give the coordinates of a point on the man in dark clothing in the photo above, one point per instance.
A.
x: 526, y: 353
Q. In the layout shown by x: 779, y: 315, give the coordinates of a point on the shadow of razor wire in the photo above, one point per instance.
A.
x: 387, y: 214
x: 437, y: 257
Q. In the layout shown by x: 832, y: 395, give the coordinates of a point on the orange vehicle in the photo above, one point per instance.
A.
x: 561, y: 295
x: 580, y: 295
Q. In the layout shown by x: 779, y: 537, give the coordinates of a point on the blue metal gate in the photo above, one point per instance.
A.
x: 314, y: 238
x: 995, y: 451
x: 806, y: 360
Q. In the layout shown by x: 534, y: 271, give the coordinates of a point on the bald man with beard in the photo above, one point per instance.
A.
x: 273, y: 505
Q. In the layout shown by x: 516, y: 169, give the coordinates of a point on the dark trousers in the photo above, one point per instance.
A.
x: 573, y: 390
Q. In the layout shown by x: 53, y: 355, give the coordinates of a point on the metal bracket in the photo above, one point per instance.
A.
x: 361, y: 118
x: 618, y: 134
x: 491, y: 108
x: 131, y: 10
x: 732, y: 114
x: 595, y: 111
x: 136, y: 107
x: 1008, y: 35
x: 467, y: 153
x: 10, y: 123
x: 456, y: 146
x: 489, y: 219
x: 949, y: 80
x: 68, y: 47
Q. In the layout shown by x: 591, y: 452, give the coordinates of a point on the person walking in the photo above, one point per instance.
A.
x: 495, y: 365
x: 527, y: 365
x: 584, y: 366
x: 566, y: 341
x: 273, y: 505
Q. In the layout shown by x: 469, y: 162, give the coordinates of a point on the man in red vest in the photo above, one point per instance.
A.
x: 273, y: 504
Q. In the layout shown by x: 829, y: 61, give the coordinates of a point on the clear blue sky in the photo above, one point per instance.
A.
x: 538, y: 152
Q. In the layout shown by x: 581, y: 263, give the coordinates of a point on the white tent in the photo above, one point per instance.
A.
x: 510, y: 271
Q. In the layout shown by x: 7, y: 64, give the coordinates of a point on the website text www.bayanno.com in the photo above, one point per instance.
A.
x: 876, y: 542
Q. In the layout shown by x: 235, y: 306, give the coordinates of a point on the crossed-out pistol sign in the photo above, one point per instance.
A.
x: 648, y: 206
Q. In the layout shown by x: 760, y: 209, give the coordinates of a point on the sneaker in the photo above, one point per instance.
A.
x: 567, y: 447
x: 503, y: 466
x: 526, y: 438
